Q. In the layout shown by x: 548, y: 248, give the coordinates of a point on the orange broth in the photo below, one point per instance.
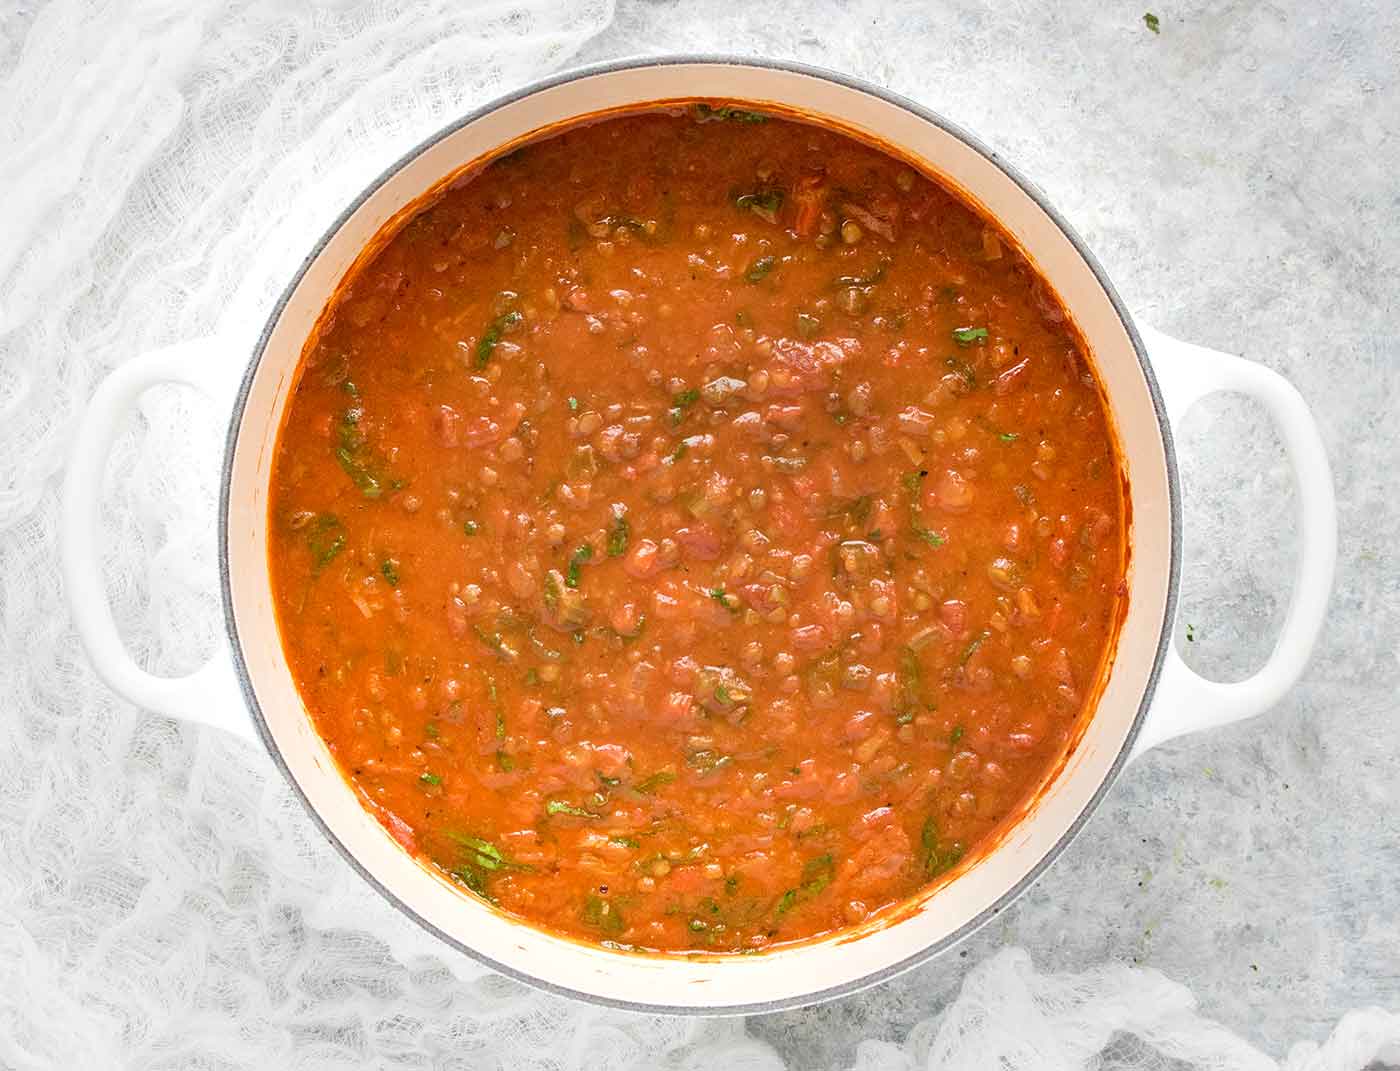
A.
x: 696, y: 531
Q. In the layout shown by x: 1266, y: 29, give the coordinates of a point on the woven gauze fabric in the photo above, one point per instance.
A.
x: 164, y: 900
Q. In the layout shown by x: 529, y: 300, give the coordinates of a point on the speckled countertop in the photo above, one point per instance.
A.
x: 1236, y: 173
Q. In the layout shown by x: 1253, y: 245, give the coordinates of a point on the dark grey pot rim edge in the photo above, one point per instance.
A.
x: 1173, y: 487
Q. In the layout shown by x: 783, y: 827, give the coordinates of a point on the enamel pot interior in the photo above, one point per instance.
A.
x: 895, y: 939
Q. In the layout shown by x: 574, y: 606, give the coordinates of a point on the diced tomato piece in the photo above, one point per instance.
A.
x: 688, y: 880
x: 953, y: 614
x: 447, y: 425
x: 1012, y: 378
x: 678, y: 708
x: 788, y: 417
x: 870, y: 823
x: 809, y: 195
x: 875, y: 865
x: 859, y: 725
x: 809, y: 364
x: 400, y: 830
x: 760, y: 597
x: 641, y: 561
x: 484, y: 431
x: 699, y: 541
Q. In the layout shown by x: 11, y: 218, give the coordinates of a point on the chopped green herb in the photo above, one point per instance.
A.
x: 474, y: 879
x: 967, y: 336
x: 760, y: 268
x: 816, y: 876
x: 553, y: 807
x: 541, y: 648
x: 1152, y: 22
x: 488, y: 856
x: 728, y: 601
x: 429, y: 778
x: 505, y: 762
x: 937, y: 857
x: 582, y: 464
x: 431, y: 730
x: 573, y: 404
x: 629, y: 637
x: 808, y: 326
x: 602, y: 915
x: 390, y: 568
x: 480, y: 859
x: 929, y: 536
x: 710, y: 113
x: 857, y: 509
x: 909, y: 680
x: 682, y: 448
x: 956, y: 734
x: 1008, y: 436
x: 765, y: 204
x: 325, y: 538
x: 617, y: 538
x: 1190, y: 633
x: 627, y: 842
x: 470, y: 527
x: 494, y: 641
x: 496, y: 705
x: 358, y: 459
x: 963, y: 370
x: 769, y: 200
x: 651, y: 784
x: 870, y: 278
x: 912, y: 482
x: 582, y: 554
x: 491, y: 337
x: 686, y: 398
x: 578, y: 236
x: 971, y: 648
x: 706, y: 761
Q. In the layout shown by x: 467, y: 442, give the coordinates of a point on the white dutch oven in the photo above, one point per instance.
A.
x: 1149, y: 694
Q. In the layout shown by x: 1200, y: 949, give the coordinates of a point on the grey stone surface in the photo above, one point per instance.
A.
x: 1236, y: 173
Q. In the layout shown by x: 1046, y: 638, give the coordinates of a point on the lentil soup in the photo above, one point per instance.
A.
x: 696, y: 530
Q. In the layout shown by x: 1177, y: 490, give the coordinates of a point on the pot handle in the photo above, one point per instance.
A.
x: 210, y: 695
x: 1185, y: 701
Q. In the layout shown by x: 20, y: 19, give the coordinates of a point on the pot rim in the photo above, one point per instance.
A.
x: 925, y: 953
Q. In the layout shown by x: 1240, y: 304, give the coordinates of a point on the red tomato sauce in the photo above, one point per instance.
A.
x: 696, y: 531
